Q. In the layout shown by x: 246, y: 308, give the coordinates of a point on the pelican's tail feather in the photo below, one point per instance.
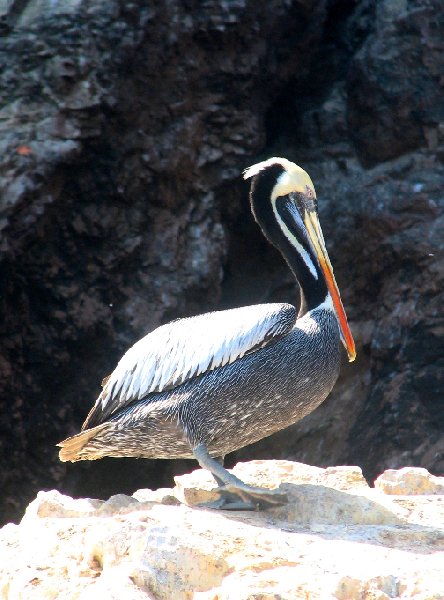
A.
x: 75, y: 448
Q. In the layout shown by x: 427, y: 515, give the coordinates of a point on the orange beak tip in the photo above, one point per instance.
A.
x: 349, y: 344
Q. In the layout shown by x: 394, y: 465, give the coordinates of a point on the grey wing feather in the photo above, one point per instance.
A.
x: 186, y: 348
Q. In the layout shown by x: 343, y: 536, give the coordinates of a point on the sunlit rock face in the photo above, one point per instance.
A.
x: 124, y: 131
x: 335, y: 538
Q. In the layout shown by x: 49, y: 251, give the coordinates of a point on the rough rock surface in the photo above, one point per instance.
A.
x: 336, y: 538
x: 123, y: 132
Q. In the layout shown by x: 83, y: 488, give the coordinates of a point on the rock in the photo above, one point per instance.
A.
x: 53, y: 503
x: 337, y: 538
x: 380, y: 125
x: 162, y: 496
x: 311, y: 504
x: 409, y: 481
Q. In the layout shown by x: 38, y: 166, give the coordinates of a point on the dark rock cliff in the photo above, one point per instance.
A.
x: 124, y: 130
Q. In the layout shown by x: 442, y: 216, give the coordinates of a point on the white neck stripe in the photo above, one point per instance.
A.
x: 294, y: 242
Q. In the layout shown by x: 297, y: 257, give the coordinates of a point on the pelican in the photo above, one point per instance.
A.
x: 204, y: 386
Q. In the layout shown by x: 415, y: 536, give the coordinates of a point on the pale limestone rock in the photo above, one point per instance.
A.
x: 316, y: 496
x: 336, y: 538
x: 161, y: 496
x: 53, y: 503
x: 409, y: 481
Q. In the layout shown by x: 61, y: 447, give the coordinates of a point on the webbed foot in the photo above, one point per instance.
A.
x: 233, y: 497
x: 234, y: 494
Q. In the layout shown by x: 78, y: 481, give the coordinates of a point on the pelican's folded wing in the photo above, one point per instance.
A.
x: 186, y: 348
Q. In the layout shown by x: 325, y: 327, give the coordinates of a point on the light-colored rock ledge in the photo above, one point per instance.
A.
x: 336, y: 538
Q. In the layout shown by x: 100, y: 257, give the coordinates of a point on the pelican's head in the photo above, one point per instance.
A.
x: 283, y: 201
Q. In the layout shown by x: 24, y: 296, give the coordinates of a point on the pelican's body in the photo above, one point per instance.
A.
x: 208, y: 385
x: 234, y: 405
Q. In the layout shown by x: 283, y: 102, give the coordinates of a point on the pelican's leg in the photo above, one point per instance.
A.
x: 234, y: 494
x: 220, y: 460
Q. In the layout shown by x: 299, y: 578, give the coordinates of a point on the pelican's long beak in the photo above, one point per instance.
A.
x: 315, y: 232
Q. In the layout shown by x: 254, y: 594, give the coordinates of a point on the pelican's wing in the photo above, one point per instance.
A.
x: 186, y: 348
